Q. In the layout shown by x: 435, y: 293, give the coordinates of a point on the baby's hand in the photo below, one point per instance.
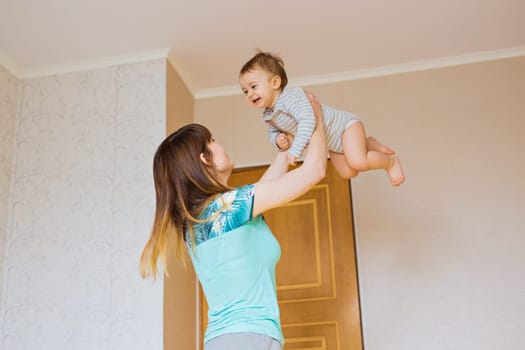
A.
x: 282, y: 142
x: 291, y: 159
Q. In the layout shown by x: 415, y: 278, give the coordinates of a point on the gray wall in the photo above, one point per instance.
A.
x: 80, y: 210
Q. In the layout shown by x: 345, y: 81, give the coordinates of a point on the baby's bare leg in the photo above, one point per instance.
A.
x: 395, y: 172
x: 341, y: 166
x: 360, y: 158
x: 372, y: 144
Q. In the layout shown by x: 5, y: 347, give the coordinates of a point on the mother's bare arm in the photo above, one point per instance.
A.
x: 278, y: 187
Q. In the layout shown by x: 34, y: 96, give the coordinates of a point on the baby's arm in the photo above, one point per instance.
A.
x: 283, y: 141
x: 299, y: 107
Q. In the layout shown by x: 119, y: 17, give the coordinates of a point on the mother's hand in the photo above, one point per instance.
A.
x: 316, y: 105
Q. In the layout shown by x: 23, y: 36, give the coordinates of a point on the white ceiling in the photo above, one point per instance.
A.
x: 212, y: 39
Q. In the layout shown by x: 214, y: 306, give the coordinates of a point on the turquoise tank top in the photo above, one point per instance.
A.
x: 237, y: 274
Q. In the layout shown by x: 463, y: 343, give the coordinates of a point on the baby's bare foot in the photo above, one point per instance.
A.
x: 374, y: 145
x: 396, y: 174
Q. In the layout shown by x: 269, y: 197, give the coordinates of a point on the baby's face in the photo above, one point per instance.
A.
x: 260, y: 87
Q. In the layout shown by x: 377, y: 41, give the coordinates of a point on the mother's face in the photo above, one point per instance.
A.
x: 221, y: 161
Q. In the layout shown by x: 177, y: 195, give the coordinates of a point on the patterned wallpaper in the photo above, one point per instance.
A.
x: 81, y: 208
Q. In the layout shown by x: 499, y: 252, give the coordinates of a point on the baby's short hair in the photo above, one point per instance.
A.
x: 269, y: 62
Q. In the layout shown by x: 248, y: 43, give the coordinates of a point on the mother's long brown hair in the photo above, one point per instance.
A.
x: 183, y: 183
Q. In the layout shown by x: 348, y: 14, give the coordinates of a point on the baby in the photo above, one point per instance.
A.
x: 291, y: 121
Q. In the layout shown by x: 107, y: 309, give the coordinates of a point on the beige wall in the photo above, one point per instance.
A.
x: 180, y: 331
x: 179, y: 101
x: 238, y: 127
x: 441, y: 257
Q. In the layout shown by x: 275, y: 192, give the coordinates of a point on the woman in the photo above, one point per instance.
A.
x: 232, y: 249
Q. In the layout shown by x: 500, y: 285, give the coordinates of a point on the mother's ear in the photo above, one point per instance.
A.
x: 206, y: 162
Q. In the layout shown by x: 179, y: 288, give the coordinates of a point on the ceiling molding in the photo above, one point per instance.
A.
x: 379, y: 71
x: 11, y: 66
x: 93, y: 64
x: 20, y: 73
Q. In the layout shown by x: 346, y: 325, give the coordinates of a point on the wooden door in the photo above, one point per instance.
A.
x: 316, y: 275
